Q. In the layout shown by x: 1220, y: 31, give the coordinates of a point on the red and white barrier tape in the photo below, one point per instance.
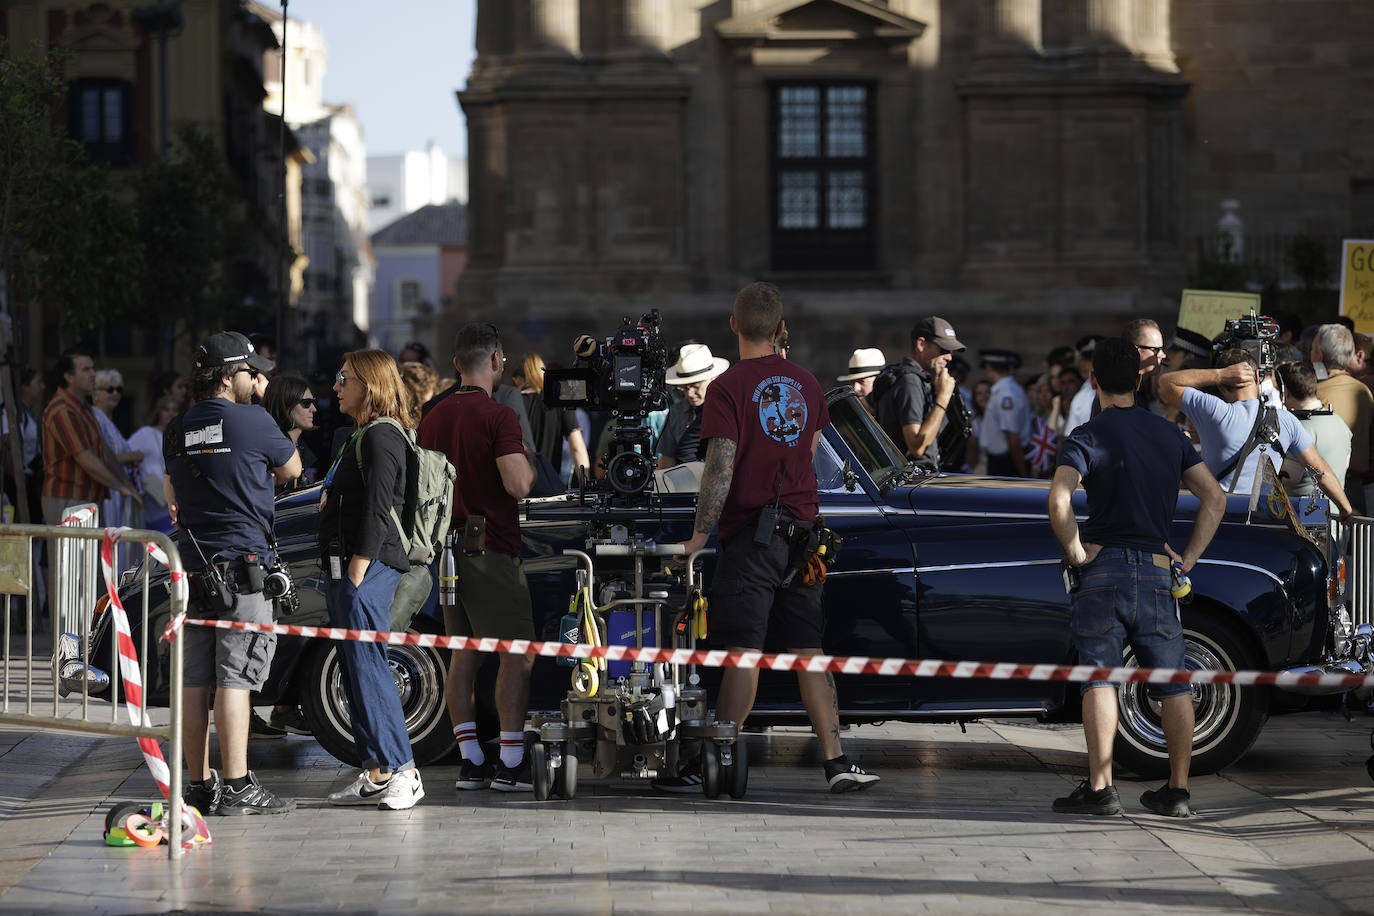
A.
x: 855, y: 664
x: 130, y: 673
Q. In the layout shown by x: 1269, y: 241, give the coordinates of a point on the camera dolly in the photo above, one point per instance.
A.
x: 633, y: 725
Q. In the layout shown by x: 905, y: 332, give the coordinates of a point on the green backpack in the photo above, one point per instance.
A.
x: 428, y: 508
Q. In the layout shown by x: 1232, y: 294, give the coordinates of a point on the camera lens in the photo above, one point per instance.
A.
x: 276, y: 584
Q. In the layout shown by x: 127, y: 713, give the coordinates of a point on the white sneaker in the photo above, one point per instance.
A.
x: 362, y: 791
x: 402, y: 791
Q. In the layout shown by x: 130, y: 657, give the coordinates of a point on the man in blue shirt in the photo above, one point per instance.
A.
x: 222, y: 458
x: 1226, y: 424
x: 1130, y: 463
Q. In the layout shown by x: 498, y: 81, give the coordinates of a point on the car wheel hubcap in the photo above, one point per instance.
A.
x: 1214, y: 705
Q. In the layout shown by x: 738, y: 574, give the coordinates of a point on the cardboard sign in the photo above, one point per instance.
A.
x: 1357, y: 283
x: 14, y: 565
x: 1206, y: 311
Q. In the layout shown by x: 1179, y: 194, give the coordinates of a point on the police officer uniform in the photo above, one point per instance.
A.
x: 1008, y: 411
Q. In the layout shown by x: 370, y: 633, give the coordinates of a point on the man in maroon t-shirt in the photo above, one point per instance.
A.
x: 482, y: 439
x: 762, y: 422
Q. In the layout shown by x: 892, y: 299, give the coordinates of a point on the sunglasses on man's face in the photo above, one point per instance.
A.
x: 114, y: 389
x: 252, y: 373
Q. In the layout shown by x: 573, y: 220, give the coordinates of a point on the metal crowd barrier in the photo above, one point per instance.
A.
x: 1354, y: 540
x: 29, y: 681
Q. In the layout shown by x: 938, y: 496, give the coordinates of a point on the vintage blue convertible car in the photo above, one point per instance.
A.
x: 951, y: 567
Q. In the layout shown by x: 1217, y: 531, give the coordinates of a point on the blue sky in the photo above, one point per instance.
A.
x: 399, y: 63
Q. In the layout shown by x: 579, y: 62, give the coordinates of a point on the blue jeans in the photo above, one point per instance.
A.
x: 1124, y: 597
x: 374, y: 706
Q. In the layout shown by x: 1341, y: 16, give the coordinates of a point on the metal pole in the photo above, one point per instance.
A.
x: 283, y: 280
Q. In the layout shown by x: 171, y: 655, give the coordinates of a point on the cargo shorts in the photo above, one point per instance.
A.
x: 493, y: 598
x: 230, y: 659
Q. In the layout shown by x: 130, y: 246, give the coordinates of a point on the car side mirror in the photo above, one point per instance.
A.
x: 851, y: 480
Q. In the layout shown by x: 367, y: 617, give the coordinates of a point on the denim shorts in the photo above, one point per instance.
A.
x: 1124, y: 597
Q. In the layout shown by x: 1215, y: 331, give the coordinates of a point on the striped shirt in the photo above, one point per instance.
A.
x: 69, y: 427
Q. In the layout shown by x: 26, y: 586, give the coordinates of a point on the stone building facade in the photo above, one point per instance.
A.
x: 1030, y: 169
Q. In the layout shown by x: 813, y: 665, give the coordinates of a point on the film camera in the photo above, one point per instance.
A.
x: 622, y: 375
x: 1252, y: 333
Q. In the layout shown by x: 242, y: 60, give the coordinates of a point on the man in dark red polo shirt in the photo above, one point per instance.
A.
x: 482, y: 439
x: 762, y: 422
x: 75, y: 469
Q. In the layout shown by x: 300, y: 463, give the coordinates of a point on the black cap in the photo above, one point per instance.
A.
x: 228, y: 348
x: 938, y: 330
x: 1002, y: 359
x: 1191, y: 342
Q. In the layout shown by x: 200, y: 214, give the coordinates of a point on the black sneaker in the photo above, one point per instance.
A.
x: 1168, y: 801
x: 845, y: 776
x: 686, y: 782
x: 205, y: 798
x: 254, y: 798
x: 474, y: 775
x: 292, y: 721
x: 258, y: 728
x: 1086, y: 800
x: 513, y: 779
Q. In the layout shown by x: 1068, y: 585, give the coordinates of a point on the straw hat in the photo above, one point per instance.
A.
x: 863, y: 364
x: 695, y: 364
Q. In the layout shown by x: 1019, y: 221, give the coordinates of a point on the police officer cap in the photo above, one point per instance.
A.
x: 228, y: 348
x: 1002, y: 359
x: 1191, y: 342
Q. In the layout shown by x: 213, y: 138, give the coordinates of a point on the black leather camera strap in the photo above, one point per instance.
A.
x: 1265, y: 416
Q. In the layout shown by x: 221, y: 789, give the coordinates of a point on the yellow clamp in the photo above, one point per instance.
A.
x: 699, y: 617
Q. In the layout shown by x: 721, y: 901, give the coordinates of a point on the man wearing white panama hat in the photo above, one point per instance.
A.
x: 864, y: 366
x: 681, y: 439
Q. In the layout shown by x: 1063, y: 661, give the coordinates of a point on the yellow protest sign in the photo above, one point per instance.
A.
x: 1206, y: 310
x: 1357, y: 283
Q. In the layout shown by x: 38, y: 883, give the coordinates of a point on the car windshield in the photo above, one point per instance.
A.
x: 875, y: 451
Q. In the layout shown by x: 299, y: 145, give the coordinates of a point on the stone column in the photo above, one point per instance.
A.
x: 1108, y: 22
x: 1153, y: 40
x: 643, y: 26
x: 1007, y: 27
x: 551, y: 29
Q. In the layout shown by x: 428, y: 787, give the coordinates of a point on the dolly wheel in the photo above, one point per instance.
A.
x: 567, y: 773
x: 736, y: 775
x: 710, y: 769
x: 540, y: 772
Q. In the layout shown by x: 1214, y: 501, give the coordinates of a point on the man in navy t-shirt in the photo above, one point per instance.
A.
x: 762, y: 421
x: 222, y: 458
x: 1130, y: 463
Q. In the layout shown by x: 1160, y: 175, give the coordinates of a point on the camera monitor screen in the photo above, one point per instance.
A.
x: 628, y: 373
x: 569, y: 387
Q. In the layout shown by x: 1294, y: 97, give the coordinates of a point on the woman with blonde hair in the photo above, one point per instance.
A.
x: 550, y: 426
x: 420, y: 381
x: 364, y: 559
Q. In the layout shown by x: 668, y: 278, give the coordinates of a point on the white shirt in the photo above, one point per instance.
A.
x: 148, y: 440
x: 1080, y: 408
x: 1008, y: 411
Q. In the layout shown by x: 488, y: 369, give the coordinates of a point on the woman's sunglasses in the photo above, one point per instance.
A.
x: 114, y: 389
x: 308, y: 403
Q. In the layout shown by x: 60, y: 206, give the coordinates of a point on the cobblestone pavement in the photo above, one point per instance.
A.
x: 961, y: 822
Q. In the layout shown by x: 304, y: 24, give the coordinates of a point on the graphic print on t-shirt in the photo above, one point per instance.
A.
x: 782, y: 409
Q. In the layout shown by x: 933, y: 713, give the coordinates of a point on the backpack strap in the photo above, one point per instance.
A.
x: 358, y: 453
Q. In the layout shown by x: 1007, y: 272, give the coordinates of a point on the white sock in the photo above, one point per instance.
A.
x: 468, y: 745
x: 512, y: 749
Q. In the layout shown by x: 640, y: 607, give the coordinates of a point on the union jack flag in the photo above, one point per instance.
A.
x: 1043, y: 444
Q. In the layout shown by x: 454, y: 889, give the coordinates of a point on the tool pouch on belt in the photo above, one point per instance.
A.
x: 212, y: 588
x: 475, y: 536
x: 814, y: 549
